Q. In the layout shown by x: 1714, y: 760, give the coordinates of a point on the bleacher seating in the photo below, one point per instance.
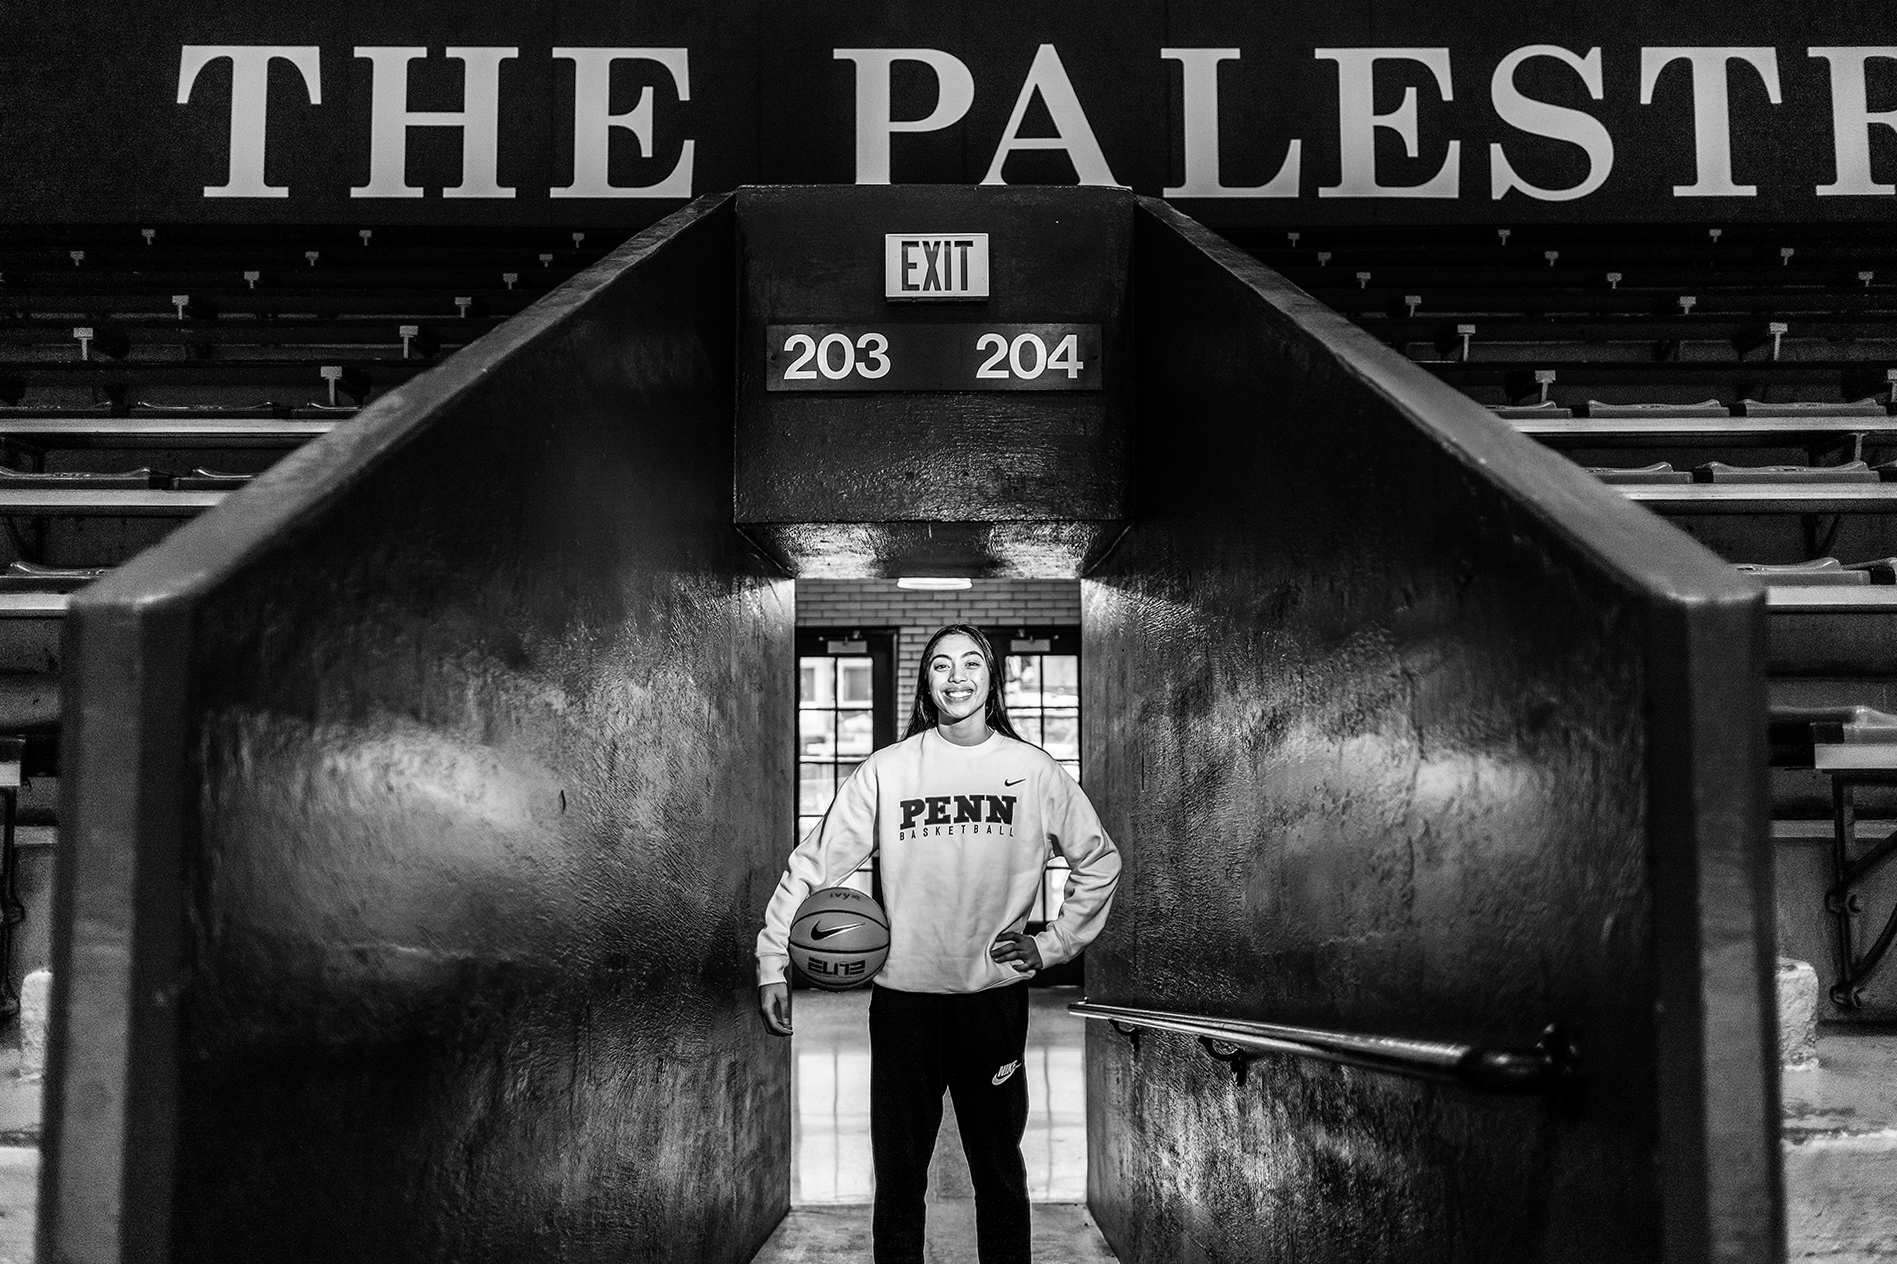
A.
x: 1658, y: 472
x: 147, y: 374
x: 1820, y: 572
x: 1739, y: 382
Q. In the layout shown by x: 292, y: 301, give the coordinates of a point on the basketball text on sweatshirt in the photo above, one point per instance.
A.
x: 964, y: 832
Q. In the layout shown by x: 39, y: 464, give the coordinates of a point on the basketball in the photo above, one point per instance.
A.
x: 839, y: 938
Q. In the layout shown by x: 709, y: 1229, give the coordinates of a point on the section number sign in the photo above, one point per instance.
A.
x: 966, y: 357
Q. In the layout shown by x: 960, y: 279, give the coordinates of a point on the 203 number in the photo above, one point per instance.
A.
x: 836, y: 357
x: 1027, y: 356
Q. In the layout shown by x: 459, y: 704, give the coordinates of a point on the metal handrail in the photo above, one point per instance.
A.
x: 1551, y: 1066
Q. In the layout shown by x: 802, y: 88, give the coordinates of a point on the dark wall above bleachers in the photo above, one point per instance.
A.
x: 1250, y: 114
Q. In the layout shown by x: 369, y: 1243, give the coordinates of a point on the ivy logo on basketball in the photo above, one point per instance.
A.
x: 824, y: 932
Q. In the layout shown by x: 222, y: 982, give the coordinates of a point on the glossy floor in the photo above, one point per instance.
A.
x: 830, y: 1157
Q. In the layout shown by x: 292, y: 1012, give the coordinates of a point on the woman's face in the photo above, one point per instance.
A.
x: 958, y: 678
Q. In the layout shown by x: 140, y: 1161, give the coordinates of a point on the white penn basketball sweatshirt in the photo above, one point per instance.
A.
x: 964, y: 832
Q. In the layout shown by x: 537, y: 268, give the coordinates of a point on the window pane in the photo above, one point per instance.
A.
x: 1073, y: 770
x: 805, y: 824
x: 814, y: 788
x: 1053, y: 883
x: 1060, y: 678
x: 1028, y: 726
x: 853, y: 682
x: 816, y: 681
x: 1023, y: 686
x: 1062, y: 735
x: 855, y: 733
x: 845, y: 769
x: 816, y: 734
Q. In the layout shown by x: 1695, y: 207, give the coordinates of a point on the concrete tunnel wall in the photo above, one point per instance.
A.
x: 1405, y: 727
x: 413, y: 923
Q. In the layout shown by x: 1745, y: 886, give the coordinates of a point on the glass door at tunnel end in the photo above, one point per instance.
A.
x: 846, y: 708
x: 1041, y: 685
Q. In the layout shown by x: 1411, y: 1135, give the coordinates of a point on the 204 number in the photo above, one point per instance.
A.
x: 1027, y: 357
x: 836, y: 357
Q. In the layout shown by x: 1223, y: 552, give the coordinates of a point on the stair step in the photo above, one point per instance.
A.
x: 1840, y: 1150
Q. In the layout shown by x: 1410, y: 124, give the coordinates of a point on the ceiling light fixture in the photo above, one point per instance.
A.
x: 933, y: 583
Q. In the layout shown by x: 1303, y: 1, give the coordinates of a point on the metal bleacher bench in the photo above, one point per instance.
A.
x: 163, y: 432
x: 105, y: 376
x: 1665, y: 431
x: 308, y: 303
x: 1517, y: 376
x: 1765, y: 498
x: 1878, y: 599
x: 1719, y: 484
x: 33, y: 605
x: 105, y: 502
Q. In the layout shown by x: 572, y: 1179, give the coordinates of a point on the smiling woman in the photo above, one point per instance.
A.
x: 964, y: 816
x: 956, y: 683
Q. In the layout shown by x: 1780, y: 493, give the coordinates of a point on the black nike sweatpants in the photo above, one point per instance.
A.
x: 971, y: 1044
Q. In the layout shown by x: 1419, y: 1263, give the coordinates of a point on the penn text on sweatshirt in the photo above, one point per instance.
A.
x: 964, y: 833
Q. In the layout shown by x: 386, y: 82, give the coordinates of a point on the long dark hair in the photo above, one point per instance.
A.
x: 923, y: 716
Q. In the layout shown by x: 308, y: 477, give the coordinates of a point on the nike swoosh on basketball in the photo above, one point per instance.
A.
x: 824, y: 932
x: 1001, y: 1076
x: 1017, y: 781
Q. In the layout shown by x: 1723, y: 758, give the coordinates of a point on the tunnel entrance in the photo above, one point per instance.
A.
x: 858, y: 646
x: 425, y: 796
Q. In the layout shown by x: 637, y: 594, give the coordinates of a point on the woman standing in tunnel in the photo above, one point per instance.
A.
x: 965, y: 816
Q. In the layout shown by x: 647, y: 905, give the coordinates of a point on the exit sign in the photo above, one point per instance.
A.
x: 920, y: 267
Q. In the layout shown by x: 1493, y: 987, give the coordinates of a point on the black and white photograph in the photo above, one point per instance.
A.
x: 1137, y: 632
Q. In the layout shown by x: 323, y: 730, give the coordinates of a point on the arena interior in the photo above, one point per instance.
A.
x: 1431, y: 470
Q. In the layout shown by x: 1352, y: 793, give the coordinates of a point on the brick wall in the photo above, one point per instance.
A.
x: 878, y: 603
